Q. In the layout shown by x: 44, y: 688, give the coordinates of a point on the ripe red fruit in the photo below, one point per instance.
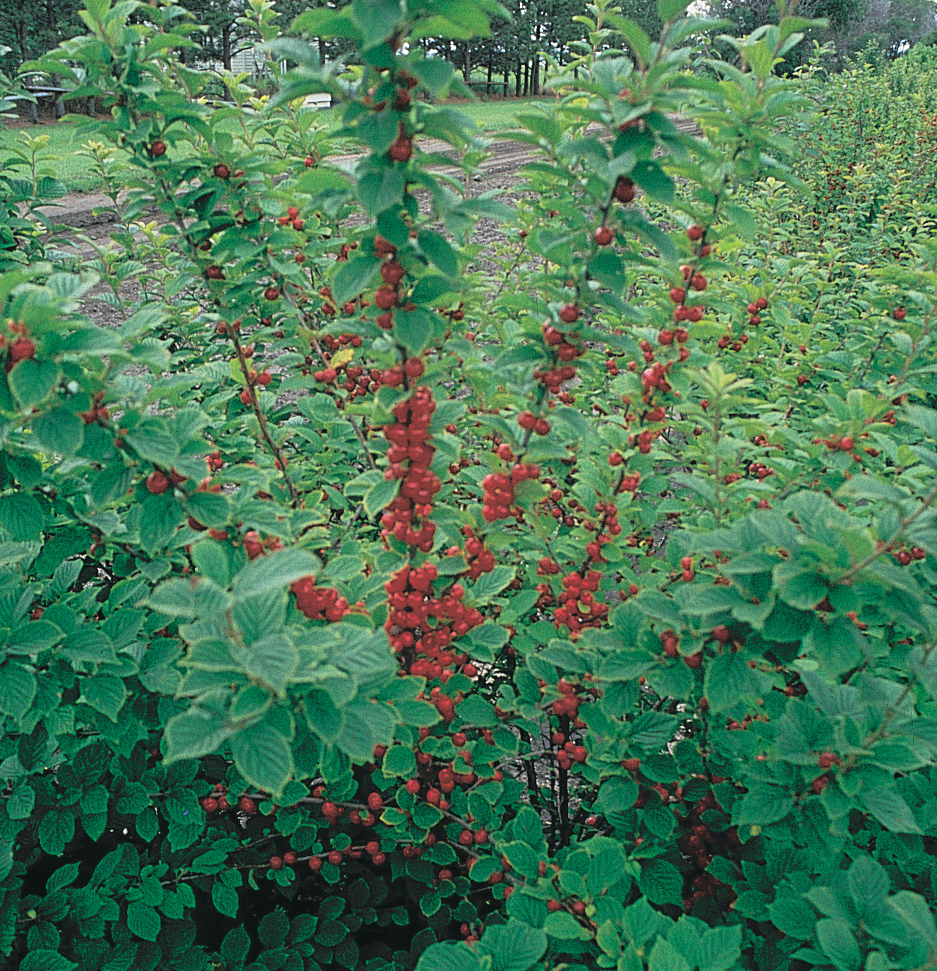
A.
x: 222, y: 171
x: 553, y: 906
x: 247, y: 806
x: 401, y: 150
x: 527, y: 420
x: 158, y: 148
x: 20, y: 350
x: 624, y: 189
x: 603, y: 236
x: 569, y: 314
x: 414, y: 367
x: 272, y: 293
x: 157, y: 483
x: 335, y: 858
x: 315, y: 863
x: 290, y: 857
x: 827, y: 759
x: 276, y: 863
x: 209, y: 804
x: 412, y: 786
x: 309, y: 162
x: 375, y: 802
x: 899, y: 313
x: 695, y: 233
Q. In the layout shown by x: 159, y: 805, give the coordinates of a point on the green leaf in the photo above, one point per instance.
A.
x: 669, y: 9
x: 380, y: 495
x: 44, y: 959
x: 449, y: 957
x: 225, y: 899
x: 838, y: 944
x: 272, y: 662
x: 22, y: 516
x: 437, y: 249
x: 413, y: 329
x: 727, y: 681
x: 890, y: 810
x: 353, y: 277
x: 262, y: 755
x: 565, y: 927
x: 274, y: 571
x: 17, y: 690
x: 32, y: 381
x: 143, y: 920
x: 490, y: 584
x: 662, y: 883
x: 399, y: 760
x: 513, y: 946
x: 914, y: 911
x: 194, y: 733
x: 235, y: 946
x: 105, y: 693
x: 379, y: 190
x: 665, y: 957
x: 322, y: 715
x: 59, y: 431
x: 21, y: 802
x: 56, y: 830
x: 376, y: 19
x: 720, y: 948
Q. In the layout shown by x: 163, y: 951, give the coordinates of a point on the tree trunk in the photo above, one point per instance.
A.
x: 226, y: 46
x: 517, y: 80
x: 467, y: 63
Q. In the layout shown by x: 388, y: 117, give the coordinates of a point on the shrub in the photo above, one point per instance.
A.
x: 365, y: 607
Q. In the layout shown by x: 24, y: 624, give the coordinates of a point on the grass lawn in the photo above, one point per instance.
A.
x: 57, y: 144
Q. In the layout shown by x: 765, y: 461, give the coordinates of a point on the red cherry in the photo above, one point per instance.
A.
x: 603, y: 236
x: 157, y: 483
x: 276, y: 863
x: 272, y: 293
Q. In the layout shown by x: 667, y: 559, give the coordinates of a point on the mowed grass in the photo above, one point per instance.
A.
x: 58, y: 146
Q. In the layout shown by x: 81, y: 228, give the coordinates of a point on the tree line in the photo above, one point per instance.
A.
x: 516, y: 58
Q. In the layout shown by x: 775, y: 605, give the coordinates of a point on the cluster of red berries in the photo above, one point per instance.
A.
x: 97, y: 413
x: 570, y: 751
x: 578, y: 607
x: 218, y: 802
x: 158, y: 482
x: 292, y: 218
x: 553, y: 379
x: 18, y: 347
x: 254, y: 546
x: 568, y: 705
x: 606, y: 531
x: 318, y: 603
x: 499, y: 491
x: 565, y: 346
x: 254, y: 378
x: 410, y: 456
x: 905, y: 557
x: 425, y: 624
x: 530, y: 423
x: 480, y: 560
